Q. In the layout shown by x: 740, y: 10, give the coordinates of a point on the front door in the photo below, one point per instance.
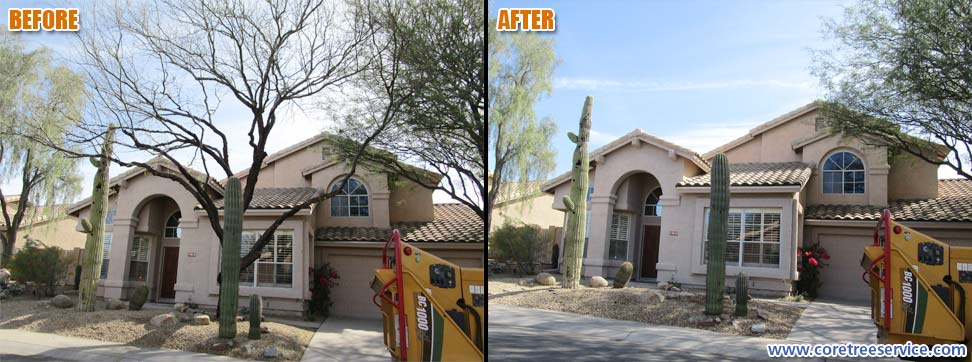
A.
x: 649, y: 251
x: 170, y: 264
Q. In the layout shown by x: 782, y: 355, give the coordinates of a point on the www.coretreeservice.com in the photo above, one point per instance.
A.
x: 859, y: 350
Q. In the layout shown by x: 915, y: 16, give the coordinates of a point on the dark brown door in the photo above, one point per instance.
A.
x: 170, y: 265
x: 649, y: 251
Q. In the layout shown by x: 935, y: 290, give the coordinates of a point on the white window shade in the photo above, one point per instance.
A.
x: 620, y: 229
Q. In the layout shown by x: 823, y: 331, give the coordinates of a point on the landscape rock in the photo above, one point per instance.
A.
x: 736, y: 324
x: 759, y: 328
x: 546, y: 279
x: 201, y: 319
x: 160, y: 320
x: 240, y: 318
x: 114, y: 304
x: 663, y: 285
x: 674, y: 289
x: 264, y: 329
x: 598, y: 282
x: 222, y: 346
x: 760, y: 313
x: 270, y: 352
x: 248, y: 348
x: 180, y: 307
x: 654, y: 297
x: 4, y: 276
x: 62, y: 301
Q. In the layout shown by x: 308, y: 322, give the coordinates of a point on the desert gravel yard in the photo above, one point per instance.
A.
x: 677, y: 308
x: 132, y: 327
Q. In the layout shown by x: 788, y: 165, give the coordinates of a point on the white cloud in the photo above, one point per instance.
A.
x: 593, y: 84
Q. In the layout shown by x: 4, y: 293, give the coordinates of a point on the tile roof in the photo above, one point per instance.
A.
x: 452, y: 223
x: 278, y: 197
x: 759, y: 174
x: 953, y: 204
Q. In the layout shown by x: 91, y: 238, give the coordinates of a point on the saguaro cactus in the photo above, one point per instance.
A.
x: 715, y: 277
x: 576, y: 202
x: 94, y: 226
x: 256, y: 314
x: 229, y: 288
x: 742, y: 295
x: 624, y: 275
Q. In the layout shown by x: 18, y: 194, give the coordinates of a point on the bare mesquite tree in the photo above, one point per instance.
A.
x: 426, y: 97
x: 162, y: 71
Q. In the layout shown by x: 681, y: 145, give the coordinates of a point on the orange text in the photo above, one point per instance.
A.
x: 42, y: 19
x: 530, y: 19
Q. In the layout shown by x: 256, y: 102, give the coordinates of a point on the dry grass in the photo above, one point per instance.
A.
x: 132, y: 328
x: 681, y: 309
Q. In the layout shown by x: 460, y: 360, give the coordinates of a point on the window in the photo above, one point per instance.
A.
x: 753, y: 238
x: 652, y: 208
x: 138, y: 266
x: 843, y: 173
x: 618, y: 244
x: 104, y: 256
x: 110, y: 217
x: 352, y: 200
x: 172, y: 229
x: 275, y: 267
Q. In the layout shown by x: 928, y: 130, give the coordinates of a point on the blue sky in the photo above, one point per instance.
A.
x: 696, y: 73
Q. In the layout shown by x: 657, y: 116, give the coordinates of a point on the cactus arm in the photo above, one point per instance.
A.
x: 256, y: 314
x: 569, y: 203
x: 715, y: 277
x: 86, y: 226
x: 229, y: 288
x: 577, y: 217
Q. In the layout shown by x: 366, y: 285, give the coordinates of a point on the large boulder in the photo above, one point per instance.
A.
x: 160, y: 320
x: 546, y: 279
x: 654, y: 296
x: 62, y: 301
x: 4, y: 276
x: 598, y: 282
x: 114, y: 304
x: 200, y: 319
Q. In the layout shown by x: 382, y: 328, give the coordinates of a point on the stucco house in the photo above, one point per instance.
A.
x: 157, y: 235
x: 793, y: 182
x: 47, y: 224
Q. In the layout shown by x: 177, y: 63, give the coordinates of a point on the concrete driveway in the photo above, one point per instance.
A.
x: 832, y: 321
x: 348, y: 339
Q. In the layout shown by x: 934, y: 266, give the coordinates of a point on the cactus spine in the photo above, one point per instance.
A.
x: 94, y: 226
x: 715, y: 277
x: 256, y: 314
x: 624, y: 275
x: 229, y: 289
x: 742, y: 295
x: 576, y: 202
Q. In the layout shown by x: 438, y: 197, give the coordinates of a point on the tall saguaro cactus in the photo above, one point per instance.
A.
x: 94, y: 226
x: 576, y: 202
x: 715, y: 276
x: 229, y: 288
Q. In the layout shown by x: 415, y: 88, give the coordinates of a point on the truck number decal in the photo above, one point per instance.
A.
x: 906, y: 291
x: 421, y: 313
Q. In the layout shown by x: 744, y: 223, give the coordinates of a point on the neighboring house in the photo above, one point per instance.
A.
x: 158, y: 237
x: 793, y: 183
x: 525, y: 203
x: 48, y: 225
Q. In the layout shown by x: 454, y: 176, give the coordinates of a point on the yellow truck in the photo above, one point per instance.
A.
x: 919, y: 286
x: 432, y: 310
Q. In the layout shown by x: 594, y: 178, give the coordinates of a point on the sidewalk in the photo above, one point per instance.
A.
x: 347, y: 339
x: 43, y: 346
x: 834, y: 322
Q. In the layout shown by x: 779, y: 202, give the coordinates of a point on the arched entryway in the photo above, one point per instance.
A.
x: 635, y: 224
x: 153, y: 255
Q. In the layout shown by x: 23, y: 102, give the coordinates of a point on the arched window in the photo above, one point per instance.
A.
x: 172, y: 229
x: 843, y: 173
x: 652, y: 208
x: 351, y: 200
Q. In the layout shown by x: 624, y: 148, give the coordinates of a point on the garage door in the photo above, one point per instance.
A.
x: 841, y: 278
x: 352, y: 297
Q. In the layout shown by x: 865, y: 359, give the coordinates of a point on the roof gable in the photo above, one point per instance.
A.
x: 762, y: 128
x: 633, y: 138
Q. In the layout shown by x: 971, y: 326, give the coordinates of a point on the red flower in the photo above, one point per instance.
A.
x: 826, y: 256
x: 813, y: 261
x: 333, y: 274
x: 807, y: 253
x: 323, y: 281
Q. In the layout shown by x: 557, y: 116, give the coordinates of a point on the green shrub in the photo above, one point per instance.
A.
x: 45, y: 267
x: 520, y: 244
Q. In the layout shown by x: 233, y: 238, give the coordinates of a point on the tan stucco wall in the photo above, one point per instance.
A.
x: 409, y: 202
x: 912, y: 178
x: 60, y: 233
x: 533, y: 210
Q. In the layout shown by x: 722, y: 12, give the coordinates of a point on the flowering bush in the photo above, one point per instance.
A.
x: 323, y: 278
x: 811, y: 262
